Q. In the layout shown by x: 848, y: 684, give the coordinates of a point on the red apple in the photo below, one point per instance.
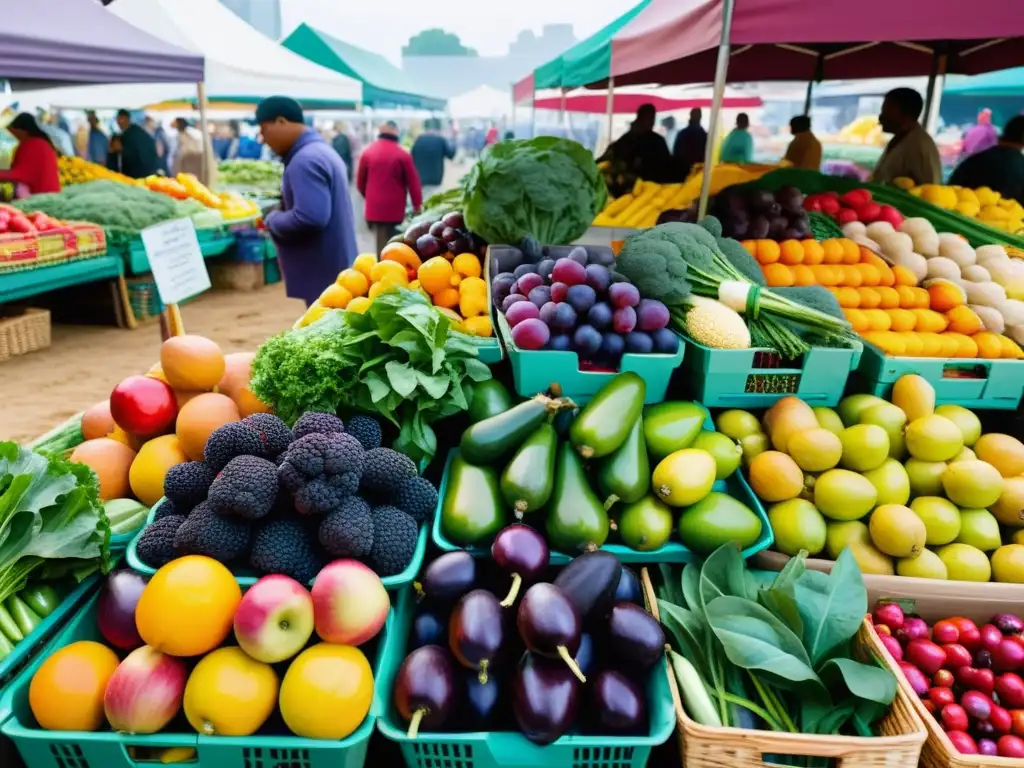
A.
x: 145, y: 691
x: 143, y: 406
x: 274, y: 621
x: 350, y: 605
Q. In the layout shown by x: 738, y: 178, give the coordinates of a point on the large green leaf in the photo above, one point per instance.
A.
x: 832, y: 606
x: 865, y: 681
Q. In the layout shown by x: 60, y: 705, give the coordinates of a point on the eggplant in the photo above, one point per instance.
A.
x: 618, y: 704
x: 585, y: 654
x: 427, y: 629
x: 545, y: 698
x: 522, y: 552
x: 590, y: 582
x: 480, y: 702
x: 425, y: 689
x: 448, y: 578
x: 476, y: 631
x: 628, y: 590
x: 549, y: 625
x: 635, y: 636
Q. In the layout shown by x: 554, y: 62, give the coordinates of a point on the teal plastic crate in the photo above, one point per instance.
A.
x: 757, y: 378
x: 247, y: 578
x: 106, y: 749
x: 510, y: 749
x: 535, y: 371
x: 994, y: 384
x: 673, y: 552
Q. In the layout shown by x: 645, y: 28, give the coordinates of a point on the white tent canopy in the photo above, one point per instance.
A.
x: 483, y: 101
x: 241, y: 63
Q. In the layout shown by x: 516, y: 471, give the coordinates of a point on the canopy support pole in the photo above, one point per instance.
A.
x: 204, y: 129
x: 562, y: 118
x: 808, y: 97
x: 513, y: 110
x: 933, y: 95
x: 611, y: 108
x: 721, y: 74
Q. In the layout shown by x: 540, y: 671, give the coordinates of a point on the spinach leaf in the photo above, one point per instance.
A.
x: 782, y: 603
x: 754, y: 639
x: 718, y: 575
x: 691, y: 588
x: 865, y: 681
x: 689, y: 632
x: 832, y: 606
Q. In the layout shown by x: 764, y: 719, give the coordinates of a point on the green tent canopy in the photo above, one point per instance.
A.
x: 1006, y: 82
x: 384, y: 84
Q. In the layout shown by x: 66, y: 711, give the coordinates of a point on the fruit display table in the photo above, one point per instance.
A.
x: 31, y: 282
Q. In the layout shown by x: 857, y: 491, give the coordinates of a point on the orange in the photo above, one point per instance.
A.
x: 448, y: 298
x: 903, y: 276
x: 326, y: 692
x: 354, y: 281
x: 364, y: 263
x: 857, y: 319
x: 248, y: 403
x: 792, y: 252
x: 825, y: 275
x: 802, y: 275
x: 814, y: 253
x: 929, y: 321
x: 878, y: 320
x: 943, y: 296
x: 385, y: 286
x: 229, y: 694
x: 964, y: 320
x: 191, y: 362
x: 111, y: 460
x: 467, y: 265
x: 66, y: 692
x: 335, y: 296
x: 869, y: 274
x: 150, y: 465
x: 389, y: 271
x: 851, y: 251
x: 989, y: 345
x: 902, y: 319
x: 869, y: 298
x: 768, y: 252
x: 889, y: 298
x: 832, y: 251
x: 848, y: 298
x: 751, y: 246
x: 851, y: 276
x: 402, y: 254
x: 188, y: 607
x: 435, y: 275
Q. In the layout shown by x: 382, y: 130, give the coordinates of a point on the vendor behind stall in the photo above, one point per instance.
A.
x: 911, y: 152
x: 641, y: 153
x: 34, y: 165
x: 1000, y: 168
x: 138, y: 149
x: 804, y: 151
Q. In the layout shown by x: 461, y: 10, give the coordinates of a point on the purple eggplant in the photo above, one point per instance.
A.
x: 481, y: 701
x: 617, y: 703
x: 590, y: 582
x: 521, y: 552
x: 629, y: 587
x: 550, y: 625
x: 448, y: 578
x: 476, y: 631
x: 427, y: 629
x: 634, y: 635
x: 545, y: 698
x: 424, y: 692
x: 585, y: 654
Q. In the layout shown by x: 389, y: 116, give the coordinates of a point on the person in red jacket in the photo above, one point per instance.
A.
x: 34, y: 166
x: 385, y: 177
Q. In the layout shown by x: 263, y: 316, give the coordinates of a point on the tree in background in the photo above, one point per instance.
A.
x: 437, y: 42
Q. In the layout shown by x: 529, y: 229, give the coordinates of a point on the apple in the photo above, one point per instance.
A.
x: 145, y: 691
x: 274, y: 621
x: 350, y: 604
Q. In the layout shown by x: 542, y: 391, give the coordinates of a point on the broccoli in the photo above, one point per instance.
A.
x: 156, y: 544
x: 656, y: 267
x: 204, y: 532
x: 348, y: 530
x: 394, y: 540
x: 321, y: 470
x: 285, y: 545
x: 231, y: 440
x: 417, y: 497
x: 274, y: 434
x: 188, y: 483
x: 246, y: 487
x: 315, y: 422
x: 384, y: 469
x: 366, y: 430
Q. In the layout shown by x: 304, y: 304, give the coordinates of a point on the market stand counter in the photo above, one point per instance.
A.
x: 24, y: 283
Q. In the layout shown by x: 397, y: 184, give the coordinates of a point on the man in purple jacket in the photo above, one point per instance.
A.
x: 313, y: 230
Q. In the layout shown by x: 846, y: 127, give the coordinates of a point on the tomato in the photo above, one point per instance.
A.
x: 20, y: 224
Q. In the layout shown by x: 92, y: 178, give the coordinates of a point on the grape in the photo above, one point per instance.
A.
x: 579, y: 255
x: 540, y: 295
x: 587, y: 341
x: 530, y: 333
x: 511, y: 299
x: 598, y: 277
x: 639, y: 343
x: 560, y: 342
x: 501, y: 286
x: 600, y: 316
x: 454, y: 219
x: 520, y: 311
x: 448, y: 234
x: 601, y: 256
x: 524, y: 269
x: 582, y: 297
x: 665, y: 342
x: 612, y: 346
x: 564, y: 318
x: 569, y: 272
x: 460, y: 245
x: 436, y: 229
x: 528, y: 282
x: 651, y: 315
x: 544, y: 268
x: 624, y: 320
x: 623, y: 295
x: 547, y: 312
x: 559, y: 291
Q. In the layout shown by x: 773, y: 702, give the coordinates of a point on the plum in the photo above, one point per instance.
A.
x: 612, y: 347
x: 520, y: 311
x: 449, y: 234
x: 987, y: 747
x: 527, y: 283
x: 531, y: 249
x: 501, y: 286
x: 525, y: 269
x: 560, y: 342
x: 957, y: 656
x: 564, y: 319
x: 601, y: 256
x: 540, y: 295
x: 559, y: 291
x: 547, y: 312
x: 544, y: 268
x: 976, y: 704
x: 579, y: 255
x: 954, y: 717
x: 600, y: 316
x: 892, y: 645
x: 460, y: 244
x: 963, y: 742
x: 639, y: 343
x: 1008, y: 623
x: 414, y: 233
x: 587, y: 341
x: 623, y: 295
x: 624, y: 320
x: 569, y: 272
x: 1010, y: 746
x: 665, y: 342
x: 1009, y: 655
x: 531, y: 333
x: 454, y: 219
x: 651, y: 315
x: 943, y: 632
x: 925, y: 655
x: 598, y: 277
x: 991, y: 637
x: 437, y: 228
x: 512, y: 298
x: 428, y: 246
x: 581, y: 297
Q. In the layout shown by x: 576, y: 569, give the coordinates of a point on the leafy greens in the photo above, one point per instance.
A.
x: 400, y: 359
x: 546, y: 187
x: 51, y: 518
x: 781, y: 652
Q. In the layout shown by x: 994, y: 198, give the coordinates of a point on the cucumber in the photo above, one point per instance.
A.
x: 125, y: 515
x: 695, y: 696
x: 6, y: 647
x: 42, y: 598
x: 9, y: 627
x: 489, y: 440
x: 605, y: 422
x: 26, y: 619
x: 528, y: 479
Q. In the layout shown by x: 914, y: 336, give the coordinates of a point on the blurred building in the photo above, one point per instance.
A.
x: 263, y: 15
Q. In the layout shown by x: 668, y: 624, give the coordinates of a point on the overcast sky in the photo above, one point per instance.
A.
x: 385, y: 26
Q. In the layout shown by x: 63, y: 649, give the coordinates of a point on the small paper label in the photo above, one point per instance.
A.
x: 176, y: 260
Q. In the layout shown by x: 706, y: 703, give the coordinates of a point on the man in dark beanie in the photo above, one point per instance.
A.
x: 313, y: 230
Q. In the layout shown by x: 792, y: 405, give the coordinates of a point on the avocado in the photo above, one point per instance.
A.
x: 489, y: 399
x: 646, y: 524
x: 472, y: 511
x: 605, y: 421
x: 489, y: 440
x: 528, y: 479
x: 626, y: 474
x: 716, y: 520
x: 576, y: 520
x: 670, y: 427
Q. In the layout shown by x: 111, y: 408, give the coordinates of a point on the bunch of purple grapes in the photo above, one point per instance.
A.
x: 574, y: 304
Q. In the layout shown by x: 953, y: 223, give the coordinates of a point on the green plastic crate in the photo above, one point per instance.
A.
x: 247, y: 578
x: 673, y: 552
x: 106, y: 749
x: 535, y: 371
x: 510, y: 749
x: 757, y: 378
x: 994, y: 384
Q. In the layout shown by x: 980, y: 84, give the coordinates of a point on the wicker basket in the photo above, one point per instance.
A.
x: 703, y: 746
x: 25, y: 333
